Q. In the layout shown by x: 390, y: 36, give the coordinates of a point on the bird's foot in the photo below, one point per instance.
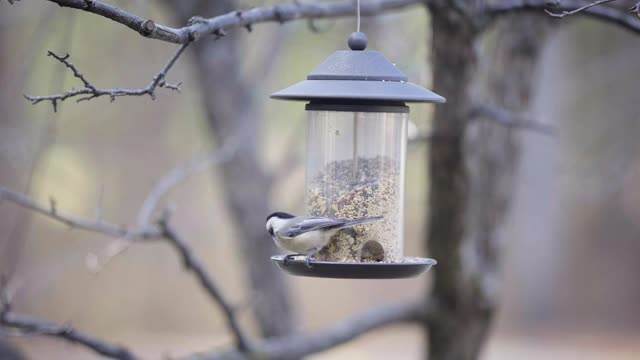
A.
x: 197, y: 20
x: 287, y: 258
x: 308, y: 261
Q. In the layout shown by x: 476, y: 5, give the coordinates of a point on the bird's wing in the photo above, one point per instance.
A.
x: 309, y: 224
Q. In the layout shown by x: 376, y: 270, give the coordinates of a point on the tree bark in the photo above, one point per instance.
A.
x: 471, y: 173
x: 458, y: 329
x: 232, y: 111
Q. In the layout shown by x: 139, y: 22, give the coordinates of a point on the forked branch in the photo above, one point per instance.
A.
x: 94, y: 225
x: 89, y: 91
x: 564, y: 8
x: 564, y: 13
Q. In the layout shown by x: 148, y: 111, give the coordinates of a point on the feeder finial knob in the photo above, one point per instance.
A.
x: 358, y: 41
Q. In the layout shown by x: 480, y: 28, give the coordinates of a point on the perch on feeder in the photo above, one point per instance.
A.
x: 356, y: 156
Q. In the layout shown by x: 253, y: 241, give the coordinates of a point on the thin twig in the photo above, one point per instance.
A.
x: 95, y: 225
x: 26, y: 325
x: 505, y: 117
x: 180, y: 174
x: 608, y: 14
x: 564, y: 13
x: 89, y: 91
x: 32, y: 326
x: 193, y: 264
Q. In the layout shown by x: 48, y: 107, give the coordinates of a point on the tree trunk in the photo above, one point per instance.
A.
x: 460, y: 325
x: 232, y: 111
x: 471, y: 174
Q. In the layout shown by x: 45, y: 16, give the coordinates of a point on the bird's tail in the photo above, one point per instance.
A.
x: 352, y: 223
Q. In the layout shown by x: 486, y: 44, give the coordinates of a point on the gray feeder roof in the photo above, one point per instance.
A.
x: 358, y: 75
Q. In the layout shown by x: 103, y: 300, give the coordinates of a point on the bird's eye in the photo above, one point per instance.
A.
x: 271, y: 230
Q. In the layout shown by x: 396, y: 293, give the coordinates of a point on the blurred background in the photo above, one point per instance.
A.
x: 572, y: 235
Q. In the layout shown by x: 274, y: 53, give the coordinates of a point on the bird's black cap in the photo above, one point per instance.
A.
x: 282, y: 215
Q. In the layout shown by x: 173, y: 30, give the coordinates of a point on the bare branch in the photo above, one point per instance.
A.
x: 508, y: 118
x: 193, y: 264
x: 608, y: 14
x: 575, y: 11
x: 97, y: 225
x: 298, y: 346
x: 236, y: 19
x: 31, y: 326
x: 180, y: 174
x: 89, y: 91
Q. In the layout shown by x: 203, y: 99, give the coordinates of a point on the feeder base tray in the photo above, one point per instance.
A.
x: 410, y: 267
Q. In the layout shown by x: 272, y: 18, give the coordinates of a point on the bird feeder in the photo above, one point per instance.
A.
x: 356, y: 160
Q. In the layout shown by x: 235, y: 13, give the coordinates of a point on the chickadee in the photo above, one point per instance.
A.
x: 307, y: 235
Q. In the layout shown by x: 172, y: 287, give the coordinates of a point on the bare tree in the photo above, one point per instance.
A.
x: 471, y: 165
x: 472, y: 175
x: 471, y: 168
